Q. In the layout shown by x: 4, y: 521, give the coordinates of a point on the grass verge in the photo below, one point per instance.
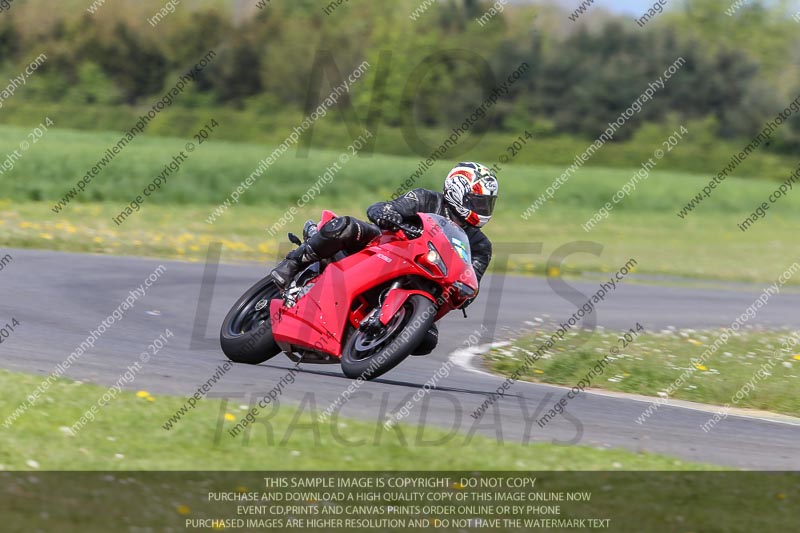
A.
x: 754, y: 369
x: 127, y: 434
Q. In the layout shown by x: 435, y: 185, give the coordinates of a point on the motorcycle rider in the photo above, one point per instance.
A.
x: 468, y: 199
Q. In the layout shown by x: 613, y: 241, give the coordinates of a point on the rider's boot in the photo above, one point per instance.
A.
x: 286, y: 270
x: 340, y: 233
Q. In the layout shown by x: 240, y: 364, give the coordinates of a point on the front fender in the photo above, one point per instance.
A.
x: 395, y: 300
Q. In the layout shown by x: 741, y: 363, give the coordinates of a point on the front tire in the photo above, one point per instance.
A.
x: 246, y: 332
x: 368, y: 356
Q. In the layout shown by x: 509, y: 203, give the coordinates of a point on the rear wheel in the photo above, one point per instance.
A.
x: 246, y: 333
x: 371, y: 353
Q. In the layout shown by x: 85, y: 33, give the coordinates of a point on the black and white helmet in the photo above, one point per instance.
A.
x: 470, y: 190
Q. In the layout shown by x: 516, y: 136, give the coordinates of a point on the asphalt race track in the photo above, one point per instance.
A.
x: 59, y: 297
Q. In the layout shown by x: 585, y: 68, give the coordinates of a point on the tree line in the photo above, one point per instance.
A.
x: 738, y: 71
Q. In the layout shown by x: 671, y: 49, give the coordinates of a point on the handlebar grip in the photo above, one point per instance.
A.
x: 411, y: 232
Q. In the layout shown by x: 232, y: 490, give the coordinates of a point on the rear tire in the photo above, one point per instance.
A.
x: 366, y: 358
x: 246, y: 332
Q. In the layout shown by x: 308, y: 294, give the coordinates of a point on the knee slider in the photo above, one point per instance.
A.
x: 336, y: 227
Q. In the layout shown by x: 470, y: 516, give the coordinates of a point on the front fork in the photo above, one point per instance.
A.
x: 372, y: 322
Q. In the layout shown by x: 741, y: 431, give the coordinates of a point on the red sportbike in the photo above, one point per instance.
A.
x: 368, y: 310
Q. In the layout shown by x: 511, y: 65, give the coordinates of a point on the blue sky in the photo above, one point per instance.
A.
x: 635, y: 7
x: 624, y: 6
x: 632, y: 7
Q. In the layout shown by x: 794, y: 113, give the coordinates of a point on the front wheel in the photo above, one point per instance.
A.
x: 367, y: 355
x: 246, y: 333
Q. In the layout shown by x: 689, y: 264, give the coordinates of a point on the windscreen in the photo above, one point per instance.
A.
x: 455, y: 236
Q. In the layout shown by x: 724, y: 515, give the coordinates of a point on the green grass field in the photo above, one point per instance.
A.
x: 701, y: 151
x: 51, y: 166
x: 127, y: 434
x: 654, y: 361
x: 172, y: 223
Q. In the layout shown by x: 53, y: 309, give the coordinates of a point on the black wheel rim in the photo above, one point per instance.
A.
x: 365, y: 345
x: 253, y: 313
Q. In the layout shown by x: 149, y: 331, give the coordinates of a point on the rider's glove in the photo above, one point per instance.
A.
x: 385, y: 216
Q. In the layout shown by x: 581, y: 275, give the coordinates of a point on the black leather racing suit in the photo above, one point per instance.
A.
x: 427, y: 201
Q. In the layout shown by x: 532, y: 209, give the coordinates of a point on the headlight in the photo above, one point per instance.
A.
x: 434, y: 259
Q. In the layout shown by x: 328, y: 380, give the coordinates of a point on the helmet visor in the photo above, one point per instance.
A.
x: 481, y: 204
